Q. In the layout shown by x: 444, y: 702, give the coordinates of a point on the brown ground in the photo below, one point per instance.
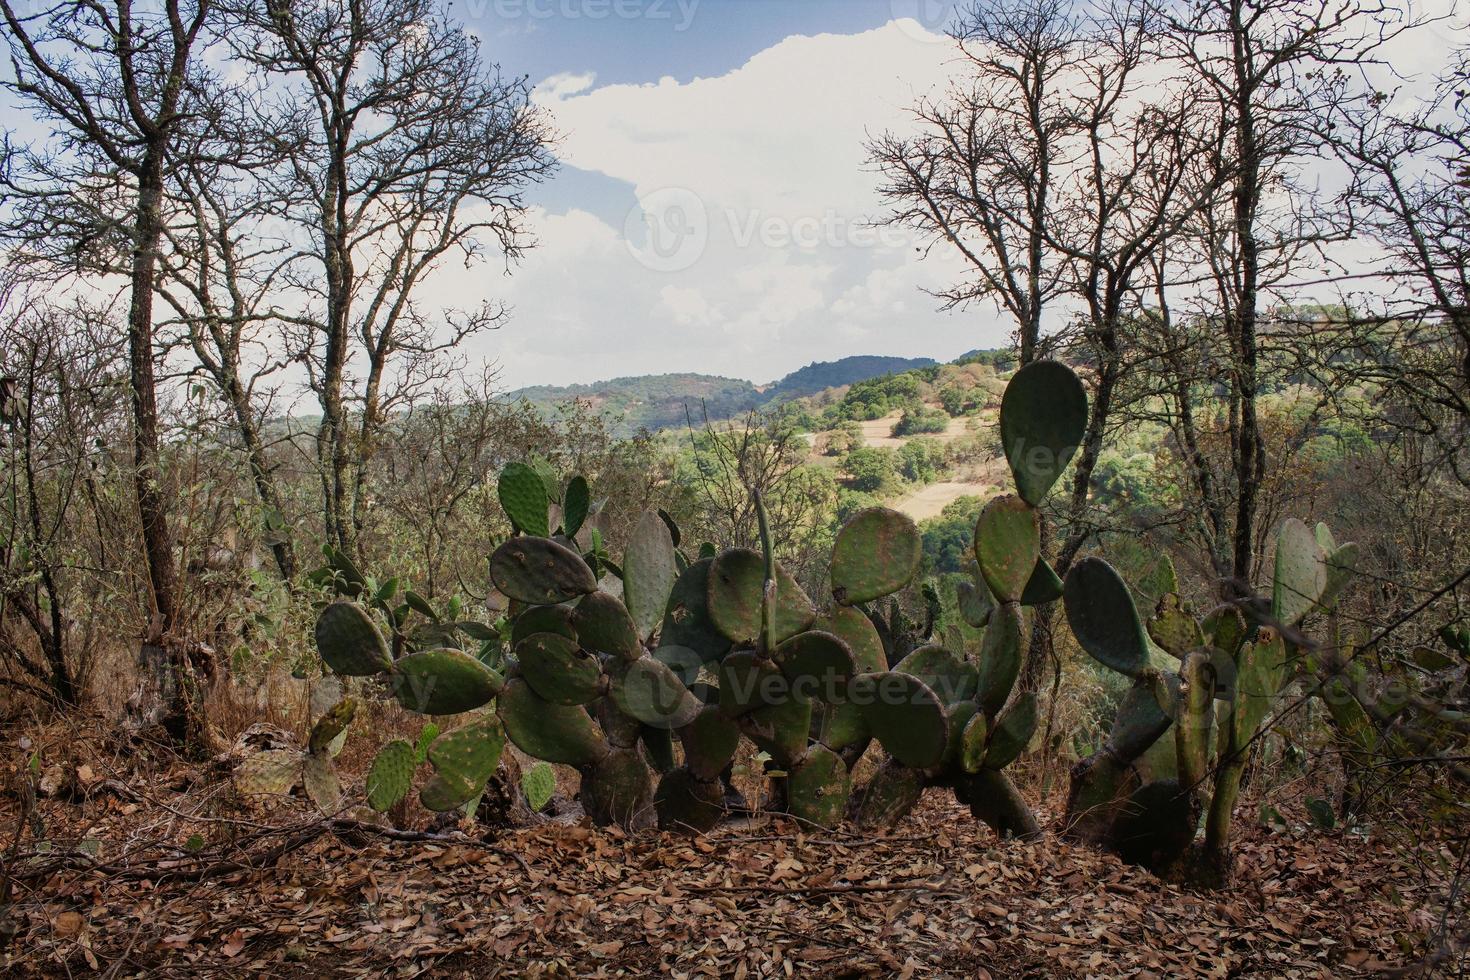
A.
x: 293, y: 895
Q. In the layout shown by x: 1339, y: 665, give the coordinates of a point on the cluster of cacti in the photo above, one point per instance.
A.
x: 607, y: 661
x: 1211, y: 680
x: 983, y: 727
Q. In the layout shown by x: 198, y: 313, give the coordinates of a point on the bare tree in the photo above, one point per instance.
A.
x: 405, y: 149
x: 979, y: 174
x: 117, y: 84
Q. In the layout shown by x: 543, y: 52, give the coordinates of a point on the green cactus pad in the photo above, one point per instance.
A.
x: 1195, y: 717
x: 947, y: 675
x: 349, y: 642
x: 745, y: 680
x: 650, y: 691
x: 1103, y: 617
x: 1225, y: 628
x: 322, y: 785
x: 558, y: 670
x: 1043, y: 416
x: 649, y: 572
x: 1139, y: 723
x: 876, y: 553
x: 687, y: 622
x: 576, y: 504
x: 1156, y: 825
x: 1012, y: 732
x: 443, y: 682
x: 1342, y: 564
x: 523, y: 498
x: 1262, y: 670
x: 603, y: 624
x: 817, y: 788
x: 658, y: 747
x: 889, y: 796
x: 618, y: 788
x: 904, y: 715
x: 855, y: 629
x: 543, y: 619
x: 1100, y: 784
x: 1008, y: 545
x: 817, y: 665
x: 687, y: 803
x: 550, y: 732
x: 540, y: 572
x: 709, y: 741
x: 463, y: 760
x: 973, y: 741
x: 1301, y: 573
x: 736, y: 586
x: 1174, y: 628
x: 781, y: 728
x: 274, y: 772
x: 622, y: 731
x: 391, y: 776
x: 975, y: 603
x: 331, y: 725
x: 960, y: 715
x: 1043, y: 586
x: 999, y: 662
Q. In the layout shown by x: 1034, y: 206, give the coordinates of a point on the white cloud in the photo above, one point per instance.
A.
x: 758, y: 224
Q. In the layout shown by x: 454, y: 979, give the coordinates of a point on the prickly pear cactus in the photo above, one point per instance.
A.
x: 1212, y: 680
x: 277, y: 772
x: 978, y: 725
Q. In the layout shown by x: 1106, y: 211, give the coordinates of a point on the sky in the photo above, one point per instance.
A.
x: 713, y: 211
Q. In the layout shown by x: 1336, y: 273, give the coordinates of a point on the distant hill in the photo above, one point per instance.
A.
x: 659, y: 401
x: 820, y: 375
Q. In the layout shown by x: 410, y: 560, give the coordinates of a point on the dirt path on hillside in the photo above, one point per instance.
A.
x: 927, y: 502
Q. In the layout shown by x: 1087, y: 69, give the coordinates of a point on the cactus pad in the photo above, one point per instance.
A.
x: 1195, y: 716
x: 973, y: 744
x: 650, y: 691
x: 947, y: 676
x: 736, y: 588
x: 876, y: 553
x: 1103, y: 617
x: 603, y: 624
x: 1000, y: 657
x: 550, y: 732
x: 322, y: 785
x: 816, y: 664
x: 1043, y: 416
x: 817, y: 788
x: 780, y: 728
x: 576, y: 504
x: 1012, y: 732
x: 687, y: 622
x: 443, y: 682
x: 558, y: 670
x: 855, y: 629
x: 1301, y: 573
x: 904, y: 715
x: 1008, y: 545
x: 463, y: 760
x: 1174, y: 628
x: 271, y: 773
x: 746, y: 682
x: 543, y: 619
x: 540, y: 572
x: 649, y: 572
x: 1043, y: 586
x: 349, y: 642
x: 1262, y: 671
x: 331, y: 726
x: 524, y: 499
x: 389, y: 779
x: 975, y: 603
